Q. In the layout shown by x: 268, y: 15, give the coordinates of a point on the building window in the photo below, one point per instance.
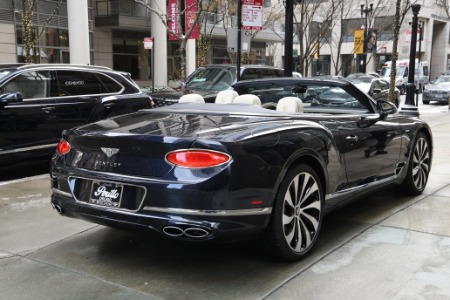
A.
x: 384, y: 26
x: 129, y: 54
x: 348, y: 28
x: 52, y: 37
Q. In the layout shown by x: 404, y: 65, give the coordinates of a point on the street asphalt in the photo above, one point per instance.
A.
x: 385, y: 246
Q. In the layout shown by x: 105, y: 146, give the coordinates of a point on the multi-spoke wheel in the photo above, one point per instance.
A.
x: 297, y: 214
x: 419, y: 166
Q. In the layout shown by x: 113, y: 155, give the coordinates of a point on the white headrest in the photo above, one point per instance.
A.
x: 196, y: 98
x: 248, y: 99
x: 226, y: 96
x: 290, y: 104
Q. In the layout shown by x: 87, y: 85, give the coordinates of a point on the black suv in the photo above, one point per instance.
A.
x: 38, y: 101
x: 210, y: 79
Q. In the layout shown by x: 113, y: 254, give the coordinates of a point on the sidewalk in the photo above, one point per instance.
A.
x: 385, y: 247
x: 404, y: 253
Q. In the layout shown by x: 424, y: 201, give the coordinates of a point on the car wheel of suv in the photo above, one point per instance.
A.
x: 297, y: 214
x: 418, y: 167
x: 425, y: 102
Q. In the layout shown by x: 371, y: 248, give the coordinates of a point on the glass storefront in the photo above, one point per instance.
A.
x: 129, y: 54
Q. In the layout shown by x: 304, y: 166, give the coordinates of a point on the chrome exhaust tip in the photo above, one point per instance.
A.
x: 57, y: 208
x: 195, y: 232
x: 173, y: 231
x: 187, y: 232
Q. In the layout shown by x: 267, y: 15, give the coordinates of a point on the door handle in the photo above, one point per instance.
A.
x: 48, y: 109
x: 352, y: 139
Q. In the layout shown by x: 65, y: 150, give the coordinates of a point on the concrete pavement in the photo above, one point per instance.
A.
x: 383, y: 247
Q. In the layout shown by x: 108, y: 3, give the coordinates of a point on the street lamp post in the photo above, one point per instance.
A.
x: 365, y: 11
x: 410, y: 86
x: 317, y: 50
x: 288, y: 37
x: 420, y: 25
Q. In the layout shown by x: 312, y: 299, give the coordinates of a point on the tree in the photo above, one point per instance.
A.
x: 401, y: 9
x: 30, y: 35
x: 314, y: 21
x: 183, y: 34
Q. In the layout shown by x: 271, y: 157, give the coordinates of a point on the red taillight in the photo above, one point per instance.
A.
x: 63, y: 147
x: 197, y: 158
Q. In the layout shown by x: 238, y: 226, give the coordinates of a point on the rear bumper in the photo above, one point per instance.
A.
x: 180, y: 224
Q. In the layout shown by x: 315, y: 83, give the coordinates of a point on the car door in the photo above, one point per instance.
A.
x: 28, y: 125
x: 370, y: 145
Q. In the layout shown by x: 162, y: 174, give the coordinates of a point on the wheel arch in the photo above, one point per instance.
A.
x: 310, y: 159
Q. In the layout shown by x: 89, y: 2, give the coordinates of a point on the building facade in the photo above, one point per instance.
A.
x: 117, y: 30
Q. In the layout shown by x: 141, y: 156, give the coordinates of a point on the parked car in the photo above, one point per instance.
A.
x: 438, y: 90
x: 361, y: 75
x: 227, y: 172
x: 210, y: 79
x: 38, y: 101
x: 377, y: 88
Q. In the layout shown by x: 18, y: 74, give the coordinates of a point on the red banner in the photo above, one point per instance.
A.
x: 191, y: 18
x: 173, y: 11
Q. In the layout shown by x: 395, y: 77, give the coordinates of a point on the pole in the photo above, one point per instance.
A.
x: 153, y: 65
x: 420, y: 37
x: 363, y: 59
x: 238, y: 53
x: 410, y: 86
x: 288, y: 37
x: 420, y: 45
x: 364, y: 55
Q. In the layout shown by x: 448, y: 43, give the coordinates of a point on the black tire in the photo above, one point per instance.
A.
x: 418, y: 167
x: 425, y: 102
x: 297, y: 214
x: 402, y: 90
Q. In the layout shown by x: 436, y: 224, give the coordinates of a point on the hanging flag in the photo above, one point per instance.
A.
x: 173, y: 11
x: 358, y: 47
x: 190, y: 18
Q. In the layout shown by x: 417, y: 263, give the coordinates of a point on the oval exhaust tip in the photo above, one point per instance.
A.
x: 195, y: 232
x: 173, y: 231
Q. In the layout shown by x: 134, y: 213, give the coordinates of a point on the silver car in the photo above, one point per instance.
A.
x: 438, y: 90
x: 377, y: 88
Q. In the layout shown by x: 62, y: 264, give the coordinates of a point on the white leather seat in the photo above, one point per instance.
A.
x: 227, y: 96
x: 290, y: 104
x: 195, y: 98
x: 248, y: 99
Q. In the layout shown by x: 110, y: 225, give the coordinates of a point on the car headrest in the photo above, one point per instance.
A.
x: 248, y: 99
x: 195, y: 98
x: 226, y: 96
x: 290, y: 104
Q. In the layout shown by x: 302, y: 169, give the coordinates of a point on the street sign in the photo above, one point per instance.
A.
x: 252, y: 15
x: 148, y: 43
x: 408, y: 35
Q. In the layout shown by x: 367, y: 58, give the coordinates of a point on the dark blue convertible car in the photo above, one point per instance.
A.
x: 264, y: 162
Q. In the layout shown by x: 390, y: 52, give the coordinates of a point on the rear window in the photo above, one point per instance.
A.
x: 75, y: 83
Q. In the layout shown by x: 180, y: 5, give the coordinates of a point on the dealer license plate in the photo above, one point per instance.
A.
x: 106, y: 194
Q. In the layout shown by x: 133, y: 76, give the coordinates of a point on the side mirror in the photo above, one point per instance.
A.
x: 385, y: 108
x: 10, y: 98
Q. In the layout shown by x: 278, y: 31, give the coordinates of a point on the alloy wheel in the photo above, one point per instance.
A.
x: 302, y: 209
x: 421, y: 163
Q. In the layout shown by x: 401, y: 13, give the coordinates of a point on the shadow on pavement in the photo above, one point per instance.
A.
x: 26, y: 169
